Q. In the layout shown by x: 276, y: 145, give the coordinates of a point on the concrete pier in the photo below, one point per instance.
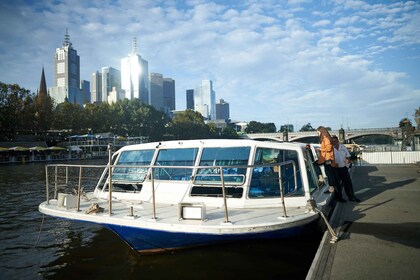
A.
x: 379, y: 238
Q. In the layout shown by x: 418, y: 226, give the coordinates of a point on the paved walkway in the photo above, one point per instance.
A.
x: 379, y: 238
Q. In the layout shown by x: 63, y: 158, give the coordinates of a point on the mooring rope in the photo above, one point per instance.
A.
x: 312, y: 206
x: 40, y: 229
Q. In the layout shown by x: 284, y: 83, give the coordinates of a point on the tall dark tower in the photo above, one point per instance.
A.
x: 43, y: 106
x: 42, y: 91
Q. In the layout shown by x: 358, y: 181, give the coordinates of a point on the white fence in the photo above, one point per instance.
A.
x: 391, y: 157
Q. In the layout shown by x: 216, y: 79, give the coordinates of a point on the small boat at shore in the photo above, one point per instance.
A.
x: 169, y: 195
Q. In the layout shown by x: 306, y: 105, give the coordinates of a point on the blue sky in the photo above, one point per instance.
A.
x: 335, y: 63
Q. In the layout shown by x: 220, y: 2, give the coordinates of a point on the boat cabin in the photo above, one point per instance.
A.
x: 249, y: 173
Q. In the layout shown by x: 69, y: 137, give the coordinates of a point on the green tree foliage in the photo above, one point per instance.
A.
x: 257, y: 127
x: 188, y: 125
x: 229, y: 133
x: 43, y: 112
x: 307, y: 127
x: 68, y: 116
x: 15, y: 110
x: 405, y: 122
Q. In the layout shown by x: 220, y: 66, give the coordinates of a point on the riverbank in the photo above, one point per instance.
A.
x: 379, y: 238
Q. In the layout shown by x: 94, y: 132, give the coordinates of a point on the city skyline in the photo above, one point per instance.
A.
x: 336, y: 63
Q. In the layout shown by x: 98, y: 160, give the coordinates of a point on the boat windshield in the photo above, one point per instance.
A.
x: 136, y: 159
x: 230, y: 159
x: 265, y: 178
x: 175, y: 157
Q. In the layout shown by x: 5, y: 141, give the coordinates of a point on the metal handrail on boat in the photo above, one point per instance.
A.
x: 109, y: 168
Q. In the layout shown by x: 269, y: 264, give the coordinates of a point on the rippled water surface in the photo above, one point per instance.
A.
x: 33, y: 246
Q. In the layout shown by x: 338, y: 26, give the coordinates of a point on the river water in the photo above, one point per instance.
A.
x: 33, y: 246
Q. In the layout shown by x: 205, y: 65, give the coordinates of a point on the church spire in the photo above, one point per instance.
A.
x: 42, y: 91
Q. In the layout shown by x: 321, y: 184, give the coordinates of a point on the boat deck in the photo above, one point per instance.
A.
x: 168, y: 216
x: 380, y: 236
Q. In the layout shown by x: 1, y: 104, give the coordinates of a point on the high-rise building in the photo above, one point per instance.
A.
x: 156, y: 91
x: 66, y: 74
x: 205, y: 100
x: 162, y: 93
x: 168, y: 94
x: 135, y: 75
x: 96, y: 87
x: 111, y: 78
x: 222, y: 110
x: 190, y: 99
x: 114, y: 95
x: 85, y: 88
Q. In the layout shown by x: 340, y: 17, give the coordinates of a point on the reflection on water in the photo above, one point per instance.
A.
x: 70, y: 250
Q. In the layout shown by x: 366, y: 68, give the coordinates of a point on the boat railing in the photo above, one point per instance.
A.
x: 76, y: 179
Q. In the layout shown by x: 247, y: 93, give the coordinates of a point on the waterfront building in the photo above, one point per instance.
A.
x: 222, y: 110
x: 135, y: 75
x: 190, y: 99
x: 66, y: 74
x: 85, y: 88
x: 111, y: 78
x: 96, y: 87
x: 168, y: 95
x: 205, y: 100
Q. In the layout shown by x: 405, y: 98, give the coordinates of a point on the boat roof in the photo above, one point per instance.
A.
x: 212, y: 143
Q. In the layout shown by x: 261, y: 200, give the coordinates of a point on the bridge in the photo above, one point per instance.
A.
x: 312, y: 136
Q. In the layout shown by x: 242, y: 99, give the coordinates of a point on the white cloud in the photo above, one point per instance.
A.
x: 277, y: 62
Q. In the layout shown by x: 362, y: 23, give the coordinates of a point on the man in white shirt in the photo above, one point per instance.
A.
x: 342, y: 158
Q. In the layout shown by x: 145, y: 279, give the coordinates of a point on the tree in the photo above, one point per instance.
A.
x: 417, y: 117
x: 43, y: 112
x: 229, y: 133
x: 407, y: 131
x: 258, y: 127
x: 15, y: 110
x: 307, y: 127
x: 68, y: 116
x: 188, y: 125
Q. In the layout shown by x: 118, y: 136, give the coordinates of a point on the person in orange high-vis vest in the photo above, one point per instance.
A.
x: 326, y: 158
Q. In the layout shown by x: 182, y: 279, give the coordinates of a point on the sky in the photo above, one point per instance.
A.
x: 337, y: 63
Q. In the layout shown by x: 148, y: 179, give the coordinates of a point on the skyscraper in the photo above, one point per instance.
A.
x: 66, y: 74
x: 156, y: 91
x: 162, y: 93
x: 190, y: 99
x: 85, y: 88
x: 96, y: 87
x: 111, y: 78
x: 168, y: 94
x: 222, y: 110
x: 135, y: 75
x: 205, y: 100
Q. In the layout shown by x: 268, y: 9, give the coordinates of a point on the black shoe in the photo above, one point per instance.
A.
x: 354, y: 199
x: 341, y: 200
x: 327, y: 191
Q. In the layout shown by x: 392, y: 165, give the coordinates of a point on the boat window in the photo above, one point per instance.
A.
x: 175, y: 157
x: 310, y: 170
x: 265, y: 176
x: 136, y: 159
x: 230, y: 159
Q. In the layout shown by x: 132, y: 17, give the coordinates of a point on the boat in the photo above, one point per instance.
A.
x: 170, y: 195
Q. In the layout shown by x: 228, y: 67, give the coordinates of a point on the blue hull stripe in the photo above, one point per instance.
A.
x: 146, y: 240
